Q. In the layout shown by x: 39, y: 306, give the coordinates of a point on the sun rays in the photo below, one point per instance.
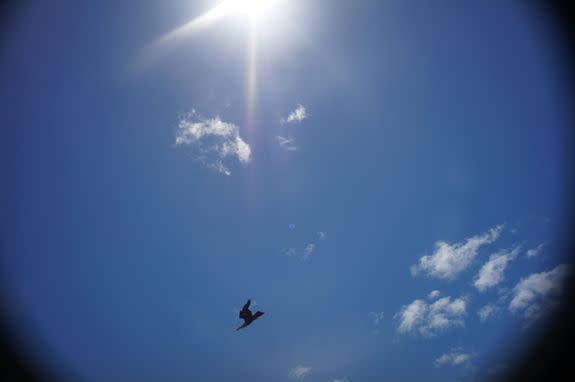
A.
x: 253, y: 9
x: 255, y: 14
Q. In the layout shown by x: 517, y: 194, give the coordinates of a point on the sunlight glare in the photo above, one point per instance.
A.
x: 261, y: 15
x: 254, y: 8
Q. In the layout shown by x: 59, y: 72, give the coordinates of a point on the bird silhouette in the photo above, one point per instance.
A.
x: 247, y: 316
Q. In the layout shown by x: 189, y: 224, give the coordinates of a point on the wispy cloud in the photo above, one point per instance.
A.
x: 299, y: 372
x: 454, y: 358
x: 297, y: 115
x: 287, y: 143
x: 448, y: 260
x: 535, y: 251
x: 341, y: 380
x: 377, y: 317
x: 213, y: 141
x: 303, y: 253
x: 488, y: 311
x: 308, y: 250
x: 534, y: 295
x: 492, y: 272
x: 433, y: 294
x: 429, y: 319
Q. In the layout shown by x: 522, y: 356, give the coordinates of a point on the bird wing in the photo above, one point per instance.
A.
x: 245, y: 313
x: 258, y: 314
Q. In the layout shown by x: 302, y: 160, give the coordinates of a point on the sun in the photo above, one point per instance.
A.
x: 254, y: 8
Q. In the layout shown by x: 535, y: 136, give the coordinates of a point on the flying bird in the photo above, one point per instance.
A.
x: 247, y: 316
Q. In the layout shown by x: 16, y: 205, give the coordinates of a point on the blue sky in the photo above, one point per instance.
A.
x: 152, y: 179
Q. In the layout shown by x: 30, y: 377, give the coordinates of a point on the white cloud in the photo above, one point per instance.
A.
x: 341, y: 380
x: 535, y: 251
x: 377, y: 317
x: 287, y: 143
x: 492, y: 272
x: 448, y: 260
x: 433, y: 294
x: 297, y: 115
x: 537, y: 293
x: 303, y: 253
x: 412, y: 315
x: 308, y: 250
x: 299, y: 372
x: 454, y: 358
x: 213, y: 141
x: 487, y: 311
x: 428, y: 319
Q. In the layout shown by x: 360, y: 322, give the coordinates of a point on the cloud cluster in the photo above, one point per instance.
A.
x: 299, y: 372
x: 428, y: 319
x: 213, y: 141
x: 297, y: 115
x: 492, y: 272
x: 454, y: 358
x: 448, y: 260
x: 537, y: 293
